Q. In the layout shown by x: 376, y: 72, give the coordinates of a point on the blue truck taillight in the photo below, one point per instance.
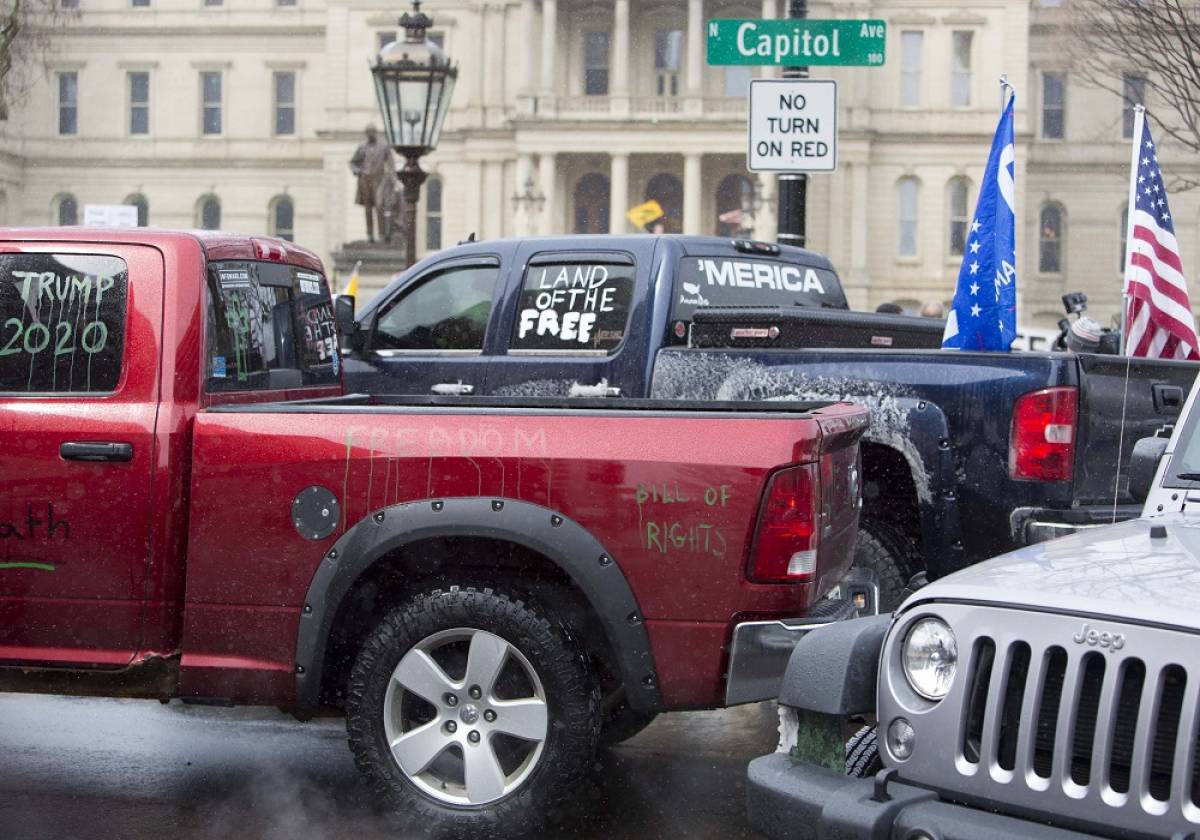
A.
x: 1042, y: 444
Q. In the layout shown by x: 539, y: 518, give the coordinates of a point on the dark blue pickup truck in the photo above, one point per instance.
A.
x: 969, y: 454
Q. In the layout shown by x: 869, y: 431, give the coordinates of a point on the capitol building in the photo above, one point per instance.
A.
x: 244, y: 114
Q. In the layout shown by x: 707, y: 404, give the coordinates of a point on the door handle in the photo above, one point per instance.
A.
x: 95, y: 451
x: 600, y: 389
x: 453, y: 389
x: 1167, y: 397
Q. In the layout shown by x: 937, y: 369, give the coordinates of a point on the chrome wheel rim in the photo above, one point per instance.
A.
x: 465, y: 716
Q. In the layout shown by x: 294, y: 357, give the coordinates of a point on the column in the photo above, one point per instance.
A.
x: 860, y: 198
x: 523, y: 215
x: 619, y: 90
x: 695, y: 55
x: 693, y: 198
x: 528, y: 23
x: 618, y: 191
x: 547, y: 183
x: 546, y: 90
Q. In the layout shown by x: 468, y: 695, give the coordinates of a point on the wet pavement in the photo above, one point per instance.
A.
x: 131, y: 769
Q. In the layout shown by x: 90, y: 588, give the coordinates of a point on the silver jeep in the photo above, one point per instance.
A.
x: 1048, y: 693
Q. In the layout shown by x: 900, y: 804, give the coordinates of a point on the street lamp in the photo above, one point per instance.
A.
x: 528, y: 200
x: 414, y: 80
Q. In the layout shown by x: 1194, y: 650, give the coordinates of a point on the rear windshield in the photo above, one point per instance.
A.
x: 269, y: 326
x: 62, y: 322
x: 734, y: 281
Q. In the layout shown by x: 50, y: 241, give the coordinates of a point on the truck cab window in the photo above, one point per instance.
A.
x: 269, y: 326
x: 446, y: 311
x: 62, y: 322
x: 570, y: 306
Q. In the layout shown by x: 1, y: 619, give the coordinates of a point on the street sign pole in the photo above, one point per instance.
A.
x: 793, y: 186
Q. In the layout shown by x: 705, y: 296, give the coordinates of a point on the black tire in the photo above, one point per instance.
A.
x: 862, y: 753
x: 572, y: 697
x: 880, y: 548
x: 622, y: 722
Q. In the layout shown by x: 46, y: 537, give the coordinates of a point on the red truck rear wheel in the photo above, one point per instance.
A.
x: 469, y: 711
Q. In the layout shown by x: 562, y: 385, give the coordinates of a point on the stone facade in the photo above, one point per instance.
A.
x: 589, y: 108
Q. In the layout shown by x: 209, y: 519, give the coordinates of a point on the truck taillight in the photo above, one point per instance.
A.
x: 785, y: 543
x: 1042, y: 446
x: 265, y: 249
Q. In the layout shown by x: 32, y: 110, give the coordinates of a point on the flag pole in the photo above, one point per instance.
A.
x: 1006, y: 89
x: 1139, y: 119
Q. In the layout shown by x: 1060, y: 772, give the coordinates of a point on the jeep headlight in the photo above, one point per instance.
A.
x: 930, y: 658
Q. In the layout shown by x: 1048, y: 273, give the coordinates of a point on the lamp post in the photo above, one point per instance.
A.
x: 414, y: 80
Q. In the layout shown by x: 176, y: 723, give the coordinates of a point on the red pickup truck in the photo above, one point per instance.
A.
x: 189, y: 508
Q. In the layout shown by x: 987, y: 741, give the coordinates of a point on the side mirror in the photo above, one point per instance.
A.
x: 343, y: 314
x: 1143, y: 465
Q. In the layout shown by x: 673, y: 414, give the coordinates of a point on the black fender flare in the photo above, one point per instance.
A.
x: 566, y: 543
x: 834, y: 670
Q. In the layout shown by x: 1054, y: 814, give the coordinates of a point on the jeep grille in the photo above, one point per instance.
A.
x: 1054, y: 727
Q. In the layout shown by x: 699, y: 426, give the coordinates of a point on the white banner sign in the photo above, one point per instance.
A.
x: 110, y: 215
x: 793, y: 125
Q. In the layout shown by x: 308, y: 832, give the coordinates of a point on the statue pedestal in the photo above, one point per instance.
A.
x: 380, y: 262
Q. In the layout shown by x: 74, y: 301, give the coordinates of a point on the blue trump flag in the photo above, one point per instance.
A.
x: 984, y: 313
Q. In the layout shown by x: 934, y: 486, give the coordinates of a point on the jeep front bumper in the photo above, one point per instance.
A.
x: 792, y: 800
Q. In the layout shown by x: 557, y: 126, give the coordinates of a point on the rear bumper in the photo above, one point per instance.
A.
x: 1034, y: 525
x: 759, y: 651
x: 786, y: 798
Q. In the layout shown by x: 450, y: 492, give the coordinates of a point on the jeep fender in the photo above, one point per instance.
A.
x: 834, y: 669
x: 558, y: 538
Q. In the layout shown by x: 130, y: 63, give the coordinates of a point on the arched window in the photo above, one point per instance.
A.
x: 283, y: 217
x: 957, y: 199
x: 66, y: 209
x: 1124, y: 237
x: 143, y: 208
x: 1050, y: 236
x: 667, y: 190
x: 907, y: 189
x: 433, y: 213
x: 735, y: 206
x: 591, y: 203
x: 208, y: 212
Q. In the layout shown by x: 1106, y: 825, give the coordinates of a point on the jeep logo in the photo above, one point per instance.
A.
x: 1097, y: 638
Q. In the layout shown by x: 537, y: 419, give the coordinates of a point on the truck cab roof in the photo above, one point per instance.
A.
x: 216, y: 244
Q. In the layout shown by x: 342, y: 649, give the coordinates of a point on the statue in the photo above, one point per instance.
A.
x: 390, y: 203
x: 373, y: 165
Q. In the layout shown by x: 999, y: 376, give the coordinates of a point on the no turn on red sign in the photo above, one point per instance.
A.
x: 793, y: 125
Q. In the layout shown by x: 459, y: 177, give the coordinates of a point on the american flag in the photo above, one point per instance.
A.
x: 1159, y: 316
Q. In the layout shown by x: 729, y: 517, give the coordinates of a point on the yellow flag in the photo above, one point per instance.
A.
x: 644, y: 214
x: 352, y: 286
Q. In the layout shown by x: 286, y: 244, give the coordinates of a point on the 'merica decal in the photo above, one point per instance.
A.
x: 761, y: 275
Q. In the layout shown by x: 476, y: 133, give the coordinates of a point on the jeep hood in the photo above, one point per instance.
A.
x: 1116, y: 570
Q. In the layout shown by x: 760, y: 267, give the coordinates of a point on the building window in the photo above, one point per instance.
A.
x: 667, y: 190
x: 960, y: 82
x: 66, y: 209
x: 735, y: 206
x: 433, y: 214
x: 438, y: 39
x: 592, y: 198
x: 911, y: 46
x: 285, y: 102
x: 668, y: 51
x: 139, y: 102
x: 214, y: 2
x: 68, y: 4
x: 285, y: 2
x: 143, y: 208
x: 139, y: 3
x: 959, y: 218
x: 907, y: 189
x: 1050, y: 235
x: 210, y: 87
x: 737, y: 80
x: 1134, y: 88
x: 595, y: 63
x: 68, y: 103
x: 209, y: 212
x: 385, y: 37
x: 1053, y: 106
x: 283, y: 218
